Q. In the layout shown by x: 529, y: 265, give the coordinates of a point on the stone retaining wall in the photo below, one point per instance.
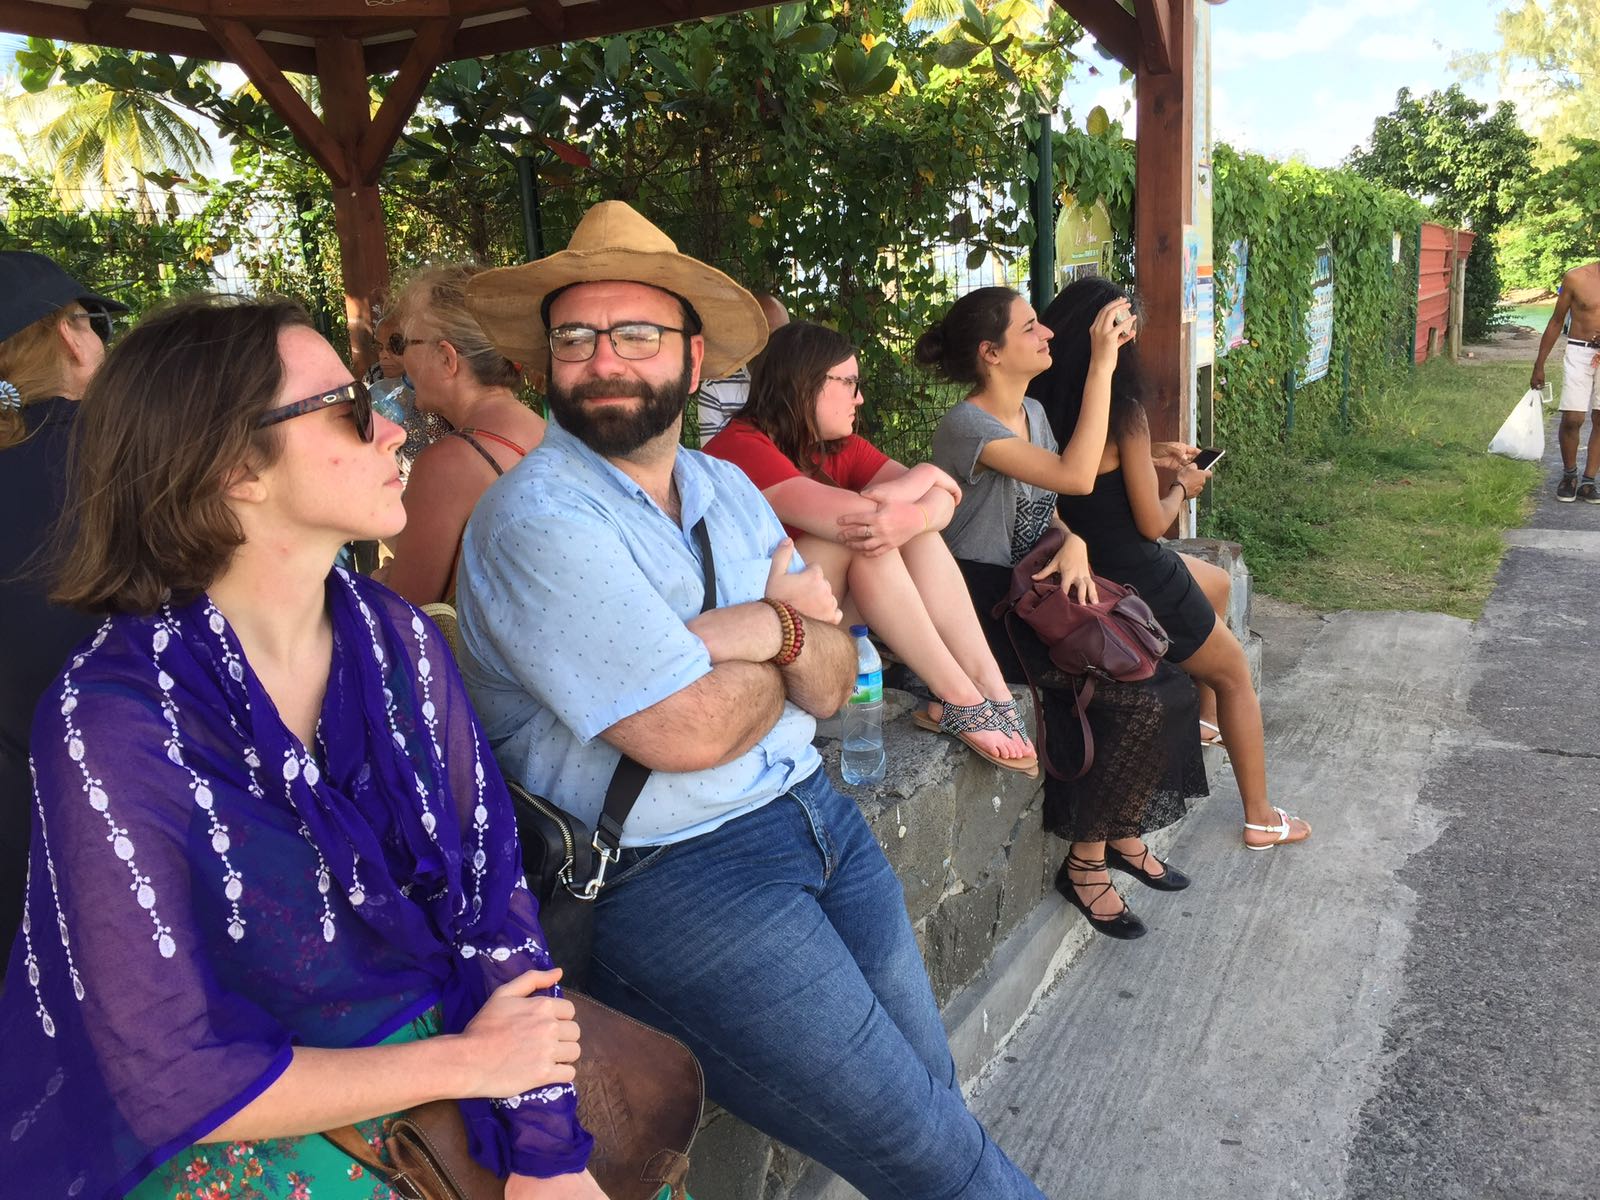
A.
x: 967, y: 841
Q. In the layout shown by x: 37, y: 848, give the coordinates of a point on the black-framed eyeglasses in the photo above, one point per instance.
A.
x: 853, y: 380
x: 100, y: 321
x: 398, y: 342
x: 634, y: 340
x: 354, y: 393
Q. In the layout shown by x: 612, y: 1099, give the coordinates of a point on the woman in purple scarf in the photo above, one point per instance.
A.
x: 272, y: 853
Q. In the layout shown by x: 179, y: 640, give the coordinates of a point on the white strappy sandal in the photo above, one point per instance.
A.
x: 1286, y: 824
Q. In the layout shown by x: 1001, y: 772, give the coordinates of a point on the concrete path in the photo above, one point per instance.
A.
x: 1409, y: 1005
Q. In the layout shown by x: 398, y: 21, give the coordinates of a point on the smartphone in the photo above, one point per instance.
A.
x: 1207, y: 459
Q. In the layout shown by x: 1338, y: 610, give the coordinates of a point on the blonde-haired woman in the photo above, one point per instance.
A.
x: 53, y: 332
x: 461, y: 377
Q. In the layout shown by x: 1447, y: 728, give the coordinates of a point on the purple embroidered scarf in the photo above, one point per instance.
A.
x: 203, y: 893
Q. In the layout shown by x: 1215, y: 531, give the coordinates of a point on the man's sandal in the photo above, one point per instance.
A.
x: 964, y: 720
x: 1282, y: 830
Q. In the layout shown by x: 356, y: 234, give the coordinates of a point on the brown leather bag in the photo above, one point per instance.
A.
x: 640, y: 1093
x: 1115, y: 638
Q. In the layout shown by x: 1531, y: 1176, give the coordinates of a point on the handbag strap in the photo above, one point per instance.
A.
x: 628, y: 780
x: 1082, y: 694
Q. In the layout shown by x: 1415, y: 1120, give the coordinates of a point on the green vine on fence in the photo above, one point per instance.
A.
x: 1288, y: 212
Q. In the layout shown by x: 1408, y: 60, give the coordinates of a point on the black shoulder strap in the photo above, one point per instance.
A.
x: 628, y: 780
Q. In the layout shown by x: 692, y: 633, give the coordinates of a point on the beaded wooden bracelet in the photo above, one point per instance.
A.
x: 794, y: 631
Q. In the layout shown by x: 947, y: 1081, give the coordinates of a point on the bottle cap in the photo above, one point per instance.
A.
x: 858, y: 631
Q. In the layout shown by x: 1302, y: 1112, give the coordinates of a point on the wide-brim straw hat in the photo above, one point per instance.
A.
x: 613, y: 242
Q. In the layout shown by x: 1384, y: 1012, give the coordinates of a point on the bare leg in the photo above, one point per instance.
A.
x: 1221, y: 664
x: 940, y: 584
x: 1571, y: 428
x: 887, y: 597
x: 1217, y: 584
x: 1591, y: 462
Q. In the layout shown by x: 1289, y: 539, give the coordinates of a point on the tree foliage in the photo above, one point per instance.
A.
x: 1559, y: 226
x: 1550, y: 50
x: 97, y: 132
x: 1468, y: 164
x: 1448, y: 150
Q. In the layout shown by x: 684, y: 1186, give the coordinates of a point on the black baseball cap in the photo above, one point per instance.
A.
x: 31, y: 287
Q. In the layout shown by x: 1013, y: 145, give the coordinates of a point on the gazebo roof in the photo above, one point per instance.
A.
x: 344, y: 42
x: 386, y: 30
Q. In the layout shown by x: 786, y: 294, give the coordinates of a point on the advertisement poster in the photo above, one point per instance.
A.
x: 1192, y: 270
x: 1319, y: 321
x: 1233, y: 318
x: 1083, y: 238
x: 1205, y: 321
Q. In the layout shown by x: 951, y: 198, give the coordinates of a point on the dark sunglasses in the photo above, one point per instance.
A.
x: 354, y: 393
x: 100, y: 321
x: 398, y: 342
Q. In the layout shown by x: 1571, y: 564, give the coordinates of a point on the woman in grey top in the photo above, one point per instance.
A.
x: 998, y: 445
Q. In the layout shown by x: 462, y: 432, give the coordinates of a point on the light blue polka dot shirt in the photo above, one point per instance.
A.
x: 573, y: 593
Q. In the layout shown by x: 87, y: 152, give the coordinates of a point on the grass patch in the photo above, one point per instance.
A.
x: 1406, y: 511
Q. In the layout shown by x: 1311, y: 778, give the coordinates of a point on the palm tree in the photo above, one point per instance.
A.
x: 96, y: 138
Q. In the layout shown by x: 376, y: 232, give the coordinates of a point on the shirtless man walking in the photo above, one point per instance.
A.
x: 1580, y: 294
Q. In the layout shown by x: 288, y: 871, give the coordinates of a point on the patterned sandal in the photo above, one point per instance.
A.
x: 963, y: 720
x: 1010, y: 718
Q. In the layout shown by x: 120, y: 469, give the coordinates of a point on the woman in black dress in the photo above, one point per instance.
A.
x: 1122, y: 517
x: 998, y: 444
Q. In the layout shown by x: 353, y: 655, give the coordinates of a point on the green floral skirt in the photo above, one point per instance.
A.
x: 297, y: 1168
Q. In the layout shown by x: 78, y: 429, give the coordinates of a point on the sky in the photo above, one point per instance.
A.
x: 1306, y: 78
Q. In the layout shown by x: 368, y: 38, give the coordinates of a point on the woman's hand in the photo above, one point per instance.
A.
x: 520, y: 1041
x: 1072, y: 564
x: 579, y: 1185
x: 1115, y: 326
x: 1192, y: 480
x: 1174, y: 456
x: 887, y: 526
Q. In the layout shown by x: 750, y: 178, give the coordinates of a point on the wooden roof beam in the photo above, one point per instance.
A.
x: 1155, y: 35
x: 428, y: 49
x: 240, y: 46
x: 1114, y: 27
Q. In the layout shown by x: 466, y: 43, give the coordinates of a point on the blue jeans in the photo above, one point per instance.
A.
x: 778, y: 949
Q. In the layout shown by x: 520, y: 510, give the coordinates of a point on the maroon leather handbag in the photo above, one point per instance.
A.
x: 1116, y: 638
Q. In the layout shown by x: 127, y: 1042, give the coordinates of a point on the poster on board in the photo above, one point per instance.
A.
x: 1192, y: 267
x: 1319, y: 320
x: 1233, y: 317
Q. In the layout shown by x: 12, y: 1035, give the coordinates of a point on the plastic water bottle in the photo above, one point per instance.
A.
x: 861, y: 759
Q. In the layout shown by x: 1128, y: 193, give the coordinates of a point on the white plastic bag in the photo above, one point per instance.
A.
x: 1522, y: 435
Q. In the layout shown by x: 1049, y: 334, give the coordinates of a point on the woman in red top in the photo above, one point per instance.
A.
x: 873, y: 526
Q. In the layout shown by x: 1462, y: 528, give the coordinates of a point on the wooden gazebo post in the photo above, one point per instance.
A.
x: 1158, y: 45
x: 348, y: 141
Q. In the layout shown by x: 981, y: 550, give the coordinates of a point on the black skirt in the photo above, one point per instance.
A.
x: 1162, y: 579
x: 1147, y: 759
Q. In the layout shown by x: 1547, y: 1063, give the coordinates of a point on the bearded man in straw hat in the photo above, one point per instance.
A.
x: 751, y: 913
